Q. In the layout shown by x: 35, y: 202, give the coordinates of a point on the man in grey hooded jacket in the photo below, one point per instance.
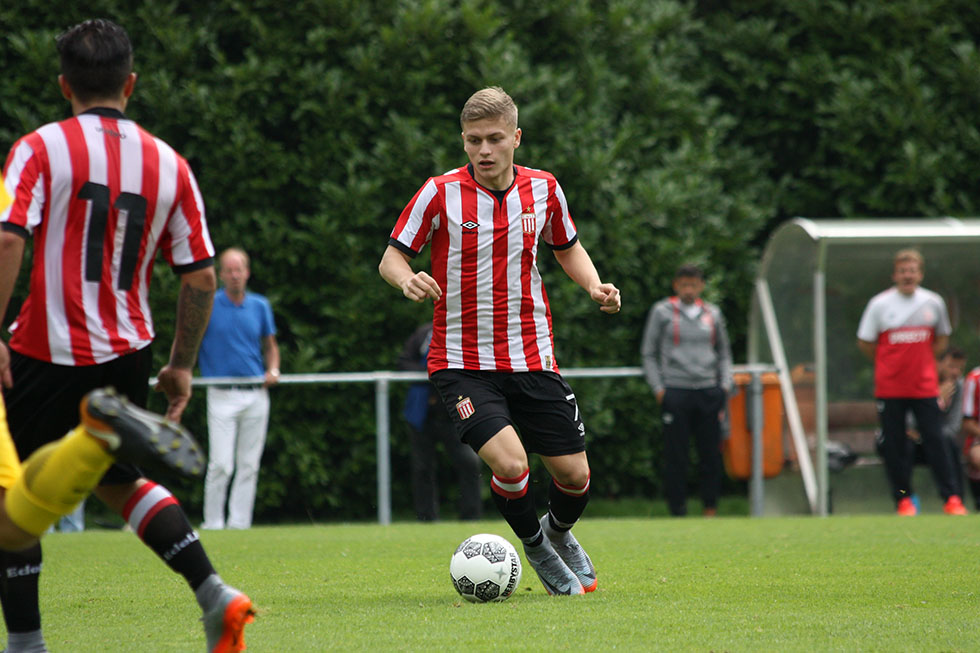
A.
x: 687, y: 360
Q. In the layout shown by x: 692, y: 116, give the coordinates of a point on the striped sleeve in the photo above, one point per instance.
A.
x: 187, y: 240
x: 559, y: 230
x: 417, y: 220
x: 23, y: 181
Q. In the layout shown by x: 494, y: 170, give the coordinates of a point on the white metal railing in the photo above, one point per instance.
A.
x: 382, y: 412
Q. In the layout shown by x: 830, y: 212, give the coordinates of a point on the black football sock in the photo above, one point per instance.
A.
x: 158, y: 520
x: 515, y: 504
x: 21, y: 573
x: 566, y: 504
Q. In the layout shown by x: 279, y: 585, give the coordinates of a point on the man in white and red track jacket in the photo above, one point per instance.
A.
x: 492, y: 356
x: 100, y: 197
x: 903, y: 330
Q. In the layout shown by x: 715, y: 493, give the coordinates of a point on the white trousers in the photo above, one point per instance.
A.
x: 237, y: 423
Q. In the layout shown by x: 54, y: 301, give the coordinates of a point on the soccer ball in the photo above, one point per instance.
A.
x: 485, y: 568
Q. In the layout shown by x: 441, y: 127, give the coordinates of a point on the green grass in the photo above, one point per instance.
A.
x: 878, y: 583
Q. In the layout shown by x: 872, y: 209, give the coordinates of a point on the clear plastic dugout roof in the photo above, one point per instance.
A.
x: 814, y: 280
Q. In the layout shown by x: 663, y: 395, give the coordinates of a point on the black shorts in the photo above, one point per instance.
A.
x: 539, y: 404
x: 43, y: 404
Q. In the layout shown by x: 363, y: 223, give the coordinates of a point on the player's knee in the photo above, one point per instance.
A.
x: 510, y: 468
x: 576, y: 476
x: 12, y: 537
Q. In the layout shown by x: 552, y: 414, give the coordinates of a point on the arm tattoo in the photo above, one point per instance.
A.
x: 193, y: 313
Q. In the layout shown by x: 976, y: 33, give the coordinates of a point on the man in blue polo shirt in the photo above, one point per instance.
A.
x: 240, y: 341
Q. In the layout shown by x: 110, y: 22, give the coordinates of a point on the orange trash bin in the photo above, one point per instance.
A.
x: 737, y: 449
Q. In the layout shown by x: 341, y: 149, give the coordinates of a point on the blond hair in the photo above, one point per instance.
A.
x: 906, y: 255
x: 488, y: 103
x: 236, y: 250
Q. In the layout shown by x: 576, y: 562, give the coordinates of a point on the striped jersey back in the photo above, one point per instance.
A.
x: 100, y: 196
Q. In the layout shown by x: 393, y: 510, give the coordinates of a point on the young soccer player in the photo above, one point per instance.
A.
x: 492, y: 354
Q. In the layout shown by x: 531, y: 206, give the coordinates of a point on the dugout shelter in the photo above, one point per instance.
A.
x: 814, y: 280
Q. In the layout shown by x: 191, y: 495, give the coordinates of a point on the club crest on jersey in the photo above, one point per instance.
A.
x: 529, y: 222
x: 465, y: 408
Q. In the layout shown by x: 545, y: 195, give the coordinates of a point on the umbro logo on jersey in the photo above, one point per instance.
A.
x: 469, y: 224
x: 465, y: 408
x: 110, y: 132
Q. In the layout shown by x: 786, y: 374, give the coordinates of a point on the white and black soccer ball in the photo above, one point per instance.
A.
x: 485, y: 568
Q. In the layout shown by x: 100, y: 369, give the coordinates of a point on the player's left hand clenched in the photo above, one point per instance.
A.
x: 608, y: 298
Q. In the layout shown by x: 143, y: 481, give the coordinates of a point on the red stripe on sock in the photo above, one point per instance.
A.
x: 137, y: 495
x: 151, y: 513
x: 505, y: 487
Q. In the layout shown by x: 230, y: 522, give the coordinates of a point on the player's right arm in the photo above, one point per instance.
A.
x: 396, y: 269
x: 11, y: 256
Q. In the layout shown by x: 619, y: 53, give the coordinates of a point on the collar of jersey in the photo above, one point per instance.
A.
x: 106, y: 112
x: 497, y: 193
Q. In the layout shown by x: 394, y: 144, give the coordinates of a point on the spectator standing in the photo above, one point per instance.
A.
x: 687, y: 361
x: 492, y: 356
x: 429, y: 424
x: 903, y: 330
x: 240, y: 341
x: 971, y: 432
x: 949, y: 366
x: 100, y: 196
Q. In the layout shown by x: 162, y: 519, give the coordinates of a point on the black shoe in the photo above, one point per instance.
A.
x: 137, y: 436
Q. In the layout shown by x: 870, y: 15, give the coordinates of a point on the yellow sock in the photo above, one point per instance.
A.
x: 55, y: 479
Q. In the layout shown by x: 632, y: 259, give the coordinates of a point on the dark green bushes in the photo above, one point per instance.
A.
x: 679, y: 131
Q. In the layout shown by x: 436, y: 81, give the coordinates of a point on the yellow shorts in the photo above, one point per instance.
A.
x: 9, y: 461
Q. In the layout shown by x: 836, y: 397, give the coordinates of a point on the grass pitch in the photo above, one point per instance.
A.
x: 879, y: 583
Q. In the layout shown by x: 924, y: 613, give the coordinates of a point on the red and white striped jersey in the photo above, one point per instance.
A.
x: 100, y: 196
x: 904, y: 328
x: 971, y: 394
x: 493, y: 313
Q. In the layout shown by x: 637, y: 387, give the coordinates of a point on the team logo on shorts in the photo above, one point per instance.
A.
x: 465, y: 408
x: 529, y: 222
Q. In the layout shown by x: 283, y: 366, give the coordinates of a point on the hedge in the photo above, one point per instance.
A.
x: 680, y: 131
